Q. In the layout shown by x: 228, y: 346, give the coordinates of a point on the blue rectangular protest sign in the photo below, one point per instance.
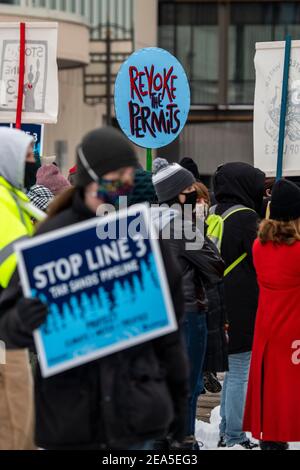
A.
x: 37, y: 132
x: 105, y: 292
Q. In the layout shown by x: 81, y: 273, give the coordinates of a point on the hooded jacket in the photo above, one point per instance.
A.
x: 15, y: 210
x: 116, y: 401
x: 13, y: 151
x: 240, y: 184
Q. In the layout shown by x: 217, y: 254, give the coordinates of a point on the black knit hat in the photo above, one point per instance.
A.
x: 189, y: 164
x: 102, y: 151
x: 169, y: 180
x: 285, y: 202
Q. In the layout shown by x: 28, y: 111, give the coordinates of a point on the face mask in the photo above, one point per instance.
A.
x: 111, y: 191
x: 191, y: 199
x: 31, y: 169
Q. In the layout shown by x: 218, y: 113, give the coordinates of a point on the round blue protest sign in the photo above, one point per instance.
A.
x: 152, y: 98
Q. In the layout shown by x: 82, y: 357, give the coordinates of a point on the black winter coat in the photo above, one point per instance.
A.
x: 234, y: 184
x: 114, y: 402
x: 200, y: 266
x: 216, y: 359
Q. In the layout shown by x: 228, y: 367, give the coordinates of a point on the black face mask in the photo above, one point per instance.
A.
x: 31, y: 169
x: 191, y: 199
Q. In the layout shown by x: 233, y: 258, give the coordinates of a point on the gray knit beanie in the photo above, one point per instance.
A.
x: 170, y: 180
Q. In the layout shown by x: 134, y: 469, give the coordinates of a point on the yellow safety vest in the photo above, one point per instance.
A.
x: 15, y: 225
x: 215, y: 231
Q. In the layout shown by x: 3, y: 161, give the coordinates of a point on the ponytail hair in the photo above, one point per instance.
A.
x: 279, y: 232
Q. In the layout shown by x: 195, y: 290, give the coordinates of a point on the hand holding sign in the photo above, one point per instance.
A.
x: 32, y: 313
x: 104, y: 294
x: 152, y: 98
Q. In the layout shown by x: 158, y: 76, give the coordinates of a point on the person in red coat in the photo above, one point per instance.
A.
x: 272, y: 411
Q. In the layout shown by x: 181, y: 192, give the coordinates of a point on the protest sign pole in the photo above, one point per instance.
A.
x: 21, y: 76
x: 149, y: 160
x: 28, y: 67
x: 284, y: 99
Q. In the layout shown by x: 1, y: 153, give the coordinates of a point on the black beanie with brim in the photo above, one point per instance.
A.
x: 285, y: 202
x: 190, y: 165
x: 102, y: 151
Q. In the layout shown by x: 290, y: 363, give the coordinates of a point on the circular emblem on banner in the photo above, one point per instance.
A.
x: 152, y: 98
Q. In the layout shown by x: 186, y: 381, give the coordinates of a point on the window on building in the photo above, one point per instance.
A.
x: 250, y: 23
x: 193, y: 31
x: 11, y: 2
x: 190, y: 32
x: 97, y: 13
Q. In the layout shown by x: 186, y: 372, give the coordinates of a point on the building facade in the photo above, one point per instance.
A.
x: 82, y: 58
x: 215, y: 41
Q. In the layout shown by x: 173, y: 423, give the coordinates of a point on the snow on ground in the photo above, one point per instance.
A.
x: 208, y: 433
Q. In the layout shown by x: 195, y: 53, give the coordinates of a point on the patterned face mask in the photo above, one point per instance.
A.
x: 110, y: 191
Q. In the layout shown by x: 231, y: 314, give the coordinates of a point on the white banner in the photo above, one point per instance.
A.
x: 269, y: 61
x: 40, y: 100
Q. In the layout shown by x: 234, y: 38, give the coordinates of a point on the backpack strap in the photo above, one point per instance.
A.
x: 212, y: 210
x: 235, y: 264
x: 225, y: 216
x: 234, y: 210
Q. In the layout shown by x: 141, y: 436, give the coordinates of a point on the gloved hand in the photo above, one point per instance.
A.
x: 32, y: 313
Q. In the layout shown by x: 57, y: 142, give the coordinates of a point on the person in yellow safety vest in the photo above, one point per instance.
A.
x: 16, y: 159
x: 16, y: 391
